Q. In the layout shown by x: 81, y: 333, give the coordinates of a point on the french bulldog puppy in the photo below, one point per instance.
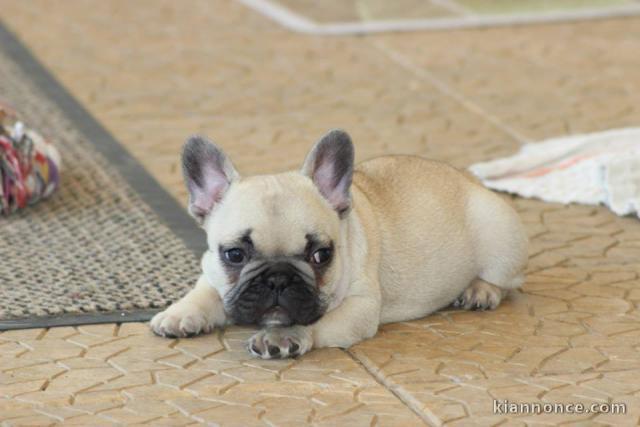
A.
x: 321, y: 257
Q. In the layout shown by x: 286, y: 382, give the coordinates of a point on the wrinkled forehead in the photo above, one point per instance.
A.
x: 280, y: 214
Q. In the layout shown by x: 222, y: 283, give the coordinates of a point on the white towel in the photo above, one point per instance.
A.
x: 595, y: 168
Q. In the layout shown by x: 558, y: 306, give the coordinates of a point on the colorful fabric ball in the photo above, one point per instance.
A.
x: 29, y: 164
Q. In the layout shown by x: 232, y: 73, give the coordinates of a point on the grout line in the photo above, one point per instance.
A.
x: 404, y: 62
x: 423, y: 74
x: 428, y: 417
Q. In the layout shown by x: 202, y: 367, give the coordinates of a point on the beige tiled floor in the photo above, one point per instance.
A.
x: 155, y: 72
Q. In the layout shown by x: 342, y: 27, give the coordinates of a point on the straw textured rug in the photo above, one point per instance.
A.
x: 95, y: 251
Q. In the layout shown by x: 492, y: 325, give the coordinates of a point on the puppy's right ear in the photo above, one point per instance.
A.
x: 208, y: 174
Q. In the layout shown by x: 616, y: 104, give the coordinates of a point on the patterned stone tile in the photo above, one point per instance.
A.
x: 571, y: 334
x: 222, y: 384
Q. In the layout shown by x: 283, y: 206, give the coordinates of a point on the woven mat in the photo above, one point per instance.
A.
x: 95, y: 251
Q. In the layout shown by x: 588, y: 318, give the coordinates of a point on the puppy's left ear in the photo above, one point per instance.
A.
x: 208, y: 173
x: 330, y: 167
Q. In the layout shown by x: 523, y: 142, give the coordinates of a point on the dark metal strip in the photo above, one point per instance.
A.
x: 77, y: 319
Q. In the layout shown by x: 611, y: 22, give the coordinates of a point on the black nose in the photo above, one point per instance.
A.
x: 281, y: 275
x: 278, y: 281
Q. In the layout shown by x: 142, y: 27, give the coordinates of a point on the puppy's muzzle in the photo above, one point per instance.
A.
x: 279, y: 294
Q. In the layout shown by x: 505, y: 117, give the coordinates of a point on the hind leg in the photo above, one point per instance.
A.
x: 480, y: 295
x: 500, y: 243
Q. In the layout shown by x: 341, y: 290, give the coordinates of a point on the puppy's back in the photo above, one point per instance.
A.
x: 426, y: 246
x: 398, y: 183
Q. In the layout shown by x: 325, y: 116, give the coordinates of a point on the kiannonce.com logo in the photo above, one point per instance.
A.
x: 502, y: 407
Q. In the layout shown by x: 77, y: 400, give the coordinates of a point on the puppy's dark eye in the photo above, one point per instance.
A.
x: 321, y: 256
x: 235, y: 255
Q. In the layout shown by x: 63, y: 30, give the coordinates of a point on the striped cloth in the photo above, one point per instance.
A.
x: 29, y: 165
x: 595, y: 168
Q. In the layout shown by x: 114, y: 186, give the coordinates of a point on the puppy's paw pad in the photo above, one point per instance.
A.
x: 277, y: 343
x: 179, y: 322
x: 480, y: 295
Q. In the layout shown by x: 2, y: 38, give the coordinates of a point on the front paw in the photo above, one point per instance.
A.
x: 181, y: 320
x: 277, y: 343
